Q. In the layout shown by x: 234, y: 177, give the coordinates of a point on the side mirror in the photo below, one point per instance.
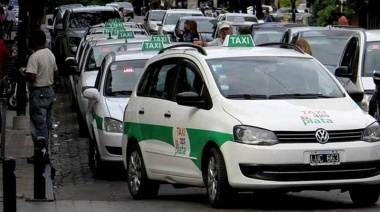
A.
x: 72, y: 66
x: 343, y: 71
x: 50, y: 22
x: 376, y: 78
x: 59, y: 27
x: 190, y: 99
x: 90, y: 93
x: 356, y: 95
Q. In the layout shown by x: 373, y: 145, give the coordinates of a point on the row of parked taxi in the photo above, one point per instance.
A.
x: 245, y: 116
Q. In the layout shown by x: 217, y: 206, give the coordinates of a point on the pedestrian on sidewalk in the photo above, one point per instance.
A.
x: 4, y: 54
x: 9, y: 20
x: 40, y: 73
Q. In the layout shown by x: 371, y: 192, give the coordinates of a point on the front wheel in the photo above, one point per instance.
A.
x: 219, y: 191
x: 365, y: 196
x: 140, y: 186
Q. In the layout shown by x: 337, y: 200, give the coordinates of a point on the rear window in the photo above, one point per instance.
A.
x: 87, y: 19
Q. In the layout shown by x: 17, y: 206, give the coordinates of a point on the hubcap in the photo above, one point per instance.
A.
x: 134, y: 171
x: 212, y: 182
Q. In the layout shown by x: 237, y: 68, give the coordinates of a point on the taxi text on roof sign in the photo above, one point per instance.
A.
x: 152, y: 45
x: 239, y: 41
x: 163, y: 38
x: 125, y: 34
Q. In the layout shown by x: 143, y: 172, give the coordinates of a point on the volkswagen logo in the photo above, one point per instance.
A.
x: 322, y: 136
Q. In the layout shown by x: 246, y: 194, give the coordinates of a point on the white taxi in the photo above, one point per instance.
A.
x: 107, y: 100
x: 247, y: 118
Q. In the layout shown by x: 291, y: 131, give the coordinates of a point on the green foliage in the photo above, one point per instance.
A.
x: 325, y: 12
x: 285, y: 3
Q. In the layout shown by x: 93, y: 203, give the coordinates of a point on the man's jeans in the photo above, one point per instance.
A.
x: 40, y: 109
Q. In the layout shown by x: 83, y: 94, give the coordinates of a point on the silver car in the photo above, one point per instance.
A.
x: 152, y: 18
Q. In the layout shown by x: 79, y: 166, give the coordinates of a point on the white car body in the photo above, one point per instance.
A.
x: 175, y: 138
x: 104, y: 106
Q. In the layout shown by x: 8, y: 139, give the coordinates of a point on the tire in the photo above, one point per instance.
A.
x: 139, y: 185
x: 12, y: 101
x: 98, y: 166
x: 365, y: 196
x: 219, y: 191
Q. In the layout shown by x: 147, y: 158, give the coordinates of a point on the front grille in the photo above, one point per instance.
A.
x: 309, y: 136
x: 114, y: 150
x: 308, y: 173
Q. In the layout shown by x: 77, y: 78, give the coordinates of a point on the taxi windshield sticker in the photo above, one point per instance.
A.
x: 181, y: 141
x: 315, y: 117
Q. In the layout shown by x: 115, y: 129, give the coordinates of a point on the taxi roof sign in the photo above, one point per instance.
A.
x: 238, y: 41
x: 163, y: 38
x: 125, y: 34
x: 152, y: 45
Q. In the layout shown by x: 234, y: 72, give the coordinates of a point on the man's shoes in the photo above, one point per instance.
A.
x: 30, y: 159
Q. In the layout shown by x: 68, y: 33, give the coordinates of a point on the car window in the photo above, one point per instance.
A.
x: 272, y: 76
x: 172, y: 18
x: 372, y: 59
x: 157, y: 15
x: 203, y: 25
x: 87, y: 19
x: 98, y: 53
x: 122, y: 77
x: 241, y: 18
x: 188, y: 79
x: 158, y: 82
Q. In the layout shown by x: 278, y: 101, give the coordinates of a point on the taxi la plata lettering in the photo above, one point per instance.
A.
x: 315, y: 117
x: 239, y: 41
x: 181, y: 141
x: 152, y: 46
x: 163, y: 38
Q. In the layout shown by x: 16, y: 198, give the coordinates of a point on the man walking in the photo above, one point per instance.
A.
x: 40, y: 73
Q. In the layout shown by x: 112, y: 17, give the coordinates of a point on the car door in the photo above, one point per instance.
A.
x: 154, y: 110
x: 188, y: 122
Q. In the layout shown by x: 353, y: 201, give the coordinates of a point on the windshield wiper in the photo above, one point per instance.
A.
x: 119, y: 93
x: 300, y: 96
x: 246, y: 96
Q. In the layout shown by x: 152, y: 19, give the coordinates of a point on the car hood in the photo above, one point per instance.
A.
x: 90, y: 77
x: 116, y: 107
x: 299, y: 114
x: 368, y: 84
x: 168, y: 28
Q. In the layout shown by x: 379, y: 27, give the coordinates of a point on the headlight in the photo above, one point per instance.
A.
x: 74, y: 41
x: 372, y: 133
x: 254, y: 136
x: 113, y: 125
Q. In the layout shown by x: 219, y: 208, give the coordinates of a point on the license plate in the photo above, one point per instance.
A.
x: 324, y: 158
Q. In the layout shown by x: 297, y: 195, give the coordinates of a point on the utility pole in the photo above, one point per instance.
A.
x: 22, y: 56
x: 294, y: 11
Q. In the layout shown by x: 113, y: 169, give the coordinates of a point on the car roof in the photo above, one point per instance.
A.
x: 197, y: 18
x: 226, y: 52
x: 373, y: 35
x: 68, y: 6
x: 134, y: 54
x: 183, y: 11
x: 277, y: 24
x: 93, y: 8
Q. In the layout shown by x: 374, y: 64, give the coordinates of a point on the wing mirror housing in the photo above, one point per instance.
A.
x: 343, y: 71
x: 376, y: 78
x: 190, y: 99
x: 90, y: 93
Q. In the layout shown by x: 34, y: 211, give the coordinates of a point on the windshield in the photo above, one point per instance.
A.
x: 87, y: 19
x: 372, y: 59
x: 122, y: 77
x: 261, y: 36
x: 98, y: 53
x: 269, y: 76
x: 157, y: 16
x: 172, y: 18
x: 327, y: 46
x: 203, y: 25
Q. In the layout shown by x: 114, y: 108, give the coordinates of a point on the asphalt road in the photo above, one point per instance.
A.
x: 74, y: 179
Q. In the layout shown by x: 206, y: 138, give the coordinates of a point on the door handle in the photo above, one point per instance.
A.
x: 167, y: 114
